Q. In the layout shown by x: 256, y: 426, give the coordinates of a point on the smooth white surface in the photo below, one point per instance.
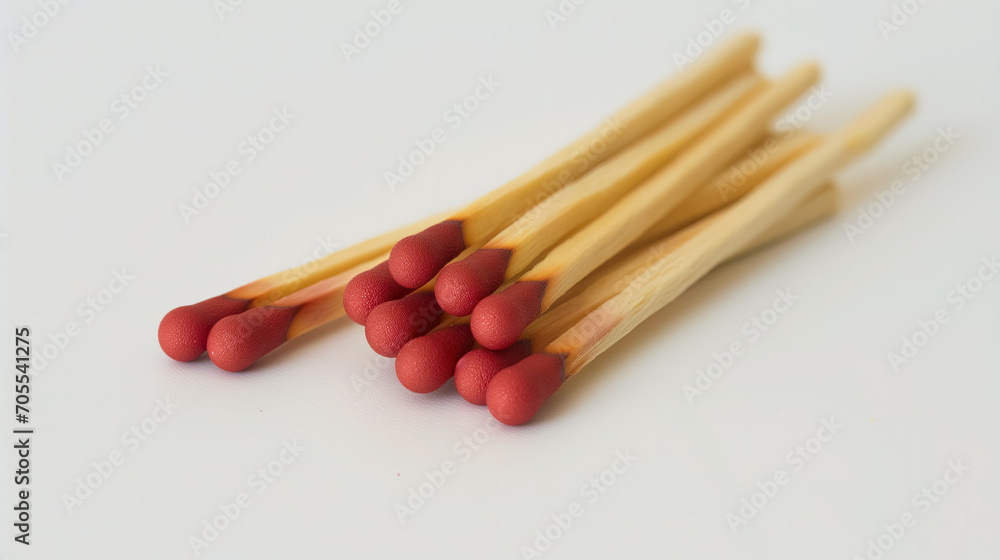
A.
x: 367, y: 445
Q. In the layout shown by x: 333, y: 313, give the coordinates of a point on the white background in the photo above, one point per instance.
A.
x: 367, y: 445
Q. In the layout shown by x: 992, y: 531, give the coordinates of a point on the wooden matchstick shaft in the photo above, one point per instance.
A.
x: 726, y: 233
x: 636, y: 264
x: 733, y: 182
x: 491, y: 213
x: 745, y: 173
x: 237, y: 341
x: 269, y: 289
x: 540, y: 228
x: 183, y: 332
x: 323, y: 301
x: 638, y: 211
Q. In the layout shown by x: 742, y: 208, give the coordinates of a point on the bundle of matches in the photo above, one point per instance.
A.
x: 516, y: 293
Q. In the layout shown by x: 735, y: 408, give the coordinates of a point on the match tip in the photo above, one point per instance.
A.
x: 237, y: 341
x: 462, y: 284
x: 394, y: 323
x: 414, y: 260
x: 476, y: 369
x: 425, y: 363
x: 517, y: 392
x: 499, y: 320
x: 368, y: 290
x: 183, y: 332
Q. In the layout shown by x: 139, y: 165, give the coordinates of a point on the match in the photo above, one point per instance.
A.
x: 498, y: 320
x: 462, y: 284
x: 476, y: 369
x: 236, y: 341
x: 516, y: 393
x: 418, y: 258
x: 183, y: 332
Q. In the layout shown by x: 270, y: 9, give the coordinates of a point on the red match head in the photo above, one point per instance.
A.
x: 517, y: 392
x: 394, y: 323
x: 461, y: 284
x: 368, y: 290
x: 414, y: 260
x: 425, y: 363
x: 499, y: 320
x: 236, y: 342
x: 476, y: 369
x: 184, y: 331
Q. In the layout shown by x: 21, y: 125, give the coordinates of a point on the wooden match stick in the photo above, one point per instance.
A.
x: 732, y: 183
x: 463, y: 283
x: 476, y: 369
x: 516, y: 393
x: 499, y: 320
x: 425, y: 363
x: 417, y: 258
x: 237, y: 341
x: 183, y: 332
x: 741, y: 176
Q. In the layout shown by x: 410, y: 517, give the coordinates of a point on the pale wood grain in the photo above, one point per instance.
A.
x: 727, y: 232
x: 643, y: 207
